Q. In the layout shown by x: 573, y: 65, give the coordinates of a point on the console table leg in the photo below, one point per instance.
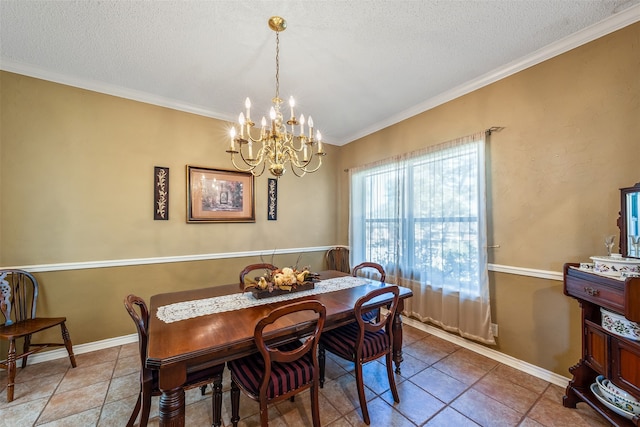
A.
x: 582, y: 377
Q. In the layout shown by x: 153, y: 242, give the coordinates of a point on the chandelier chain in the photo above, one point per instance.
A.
x: 277, y: 64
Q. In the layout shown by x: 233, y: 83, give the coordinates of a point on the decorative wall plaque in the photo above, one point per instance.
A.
x: 272, y: 213
x: 161, y: 193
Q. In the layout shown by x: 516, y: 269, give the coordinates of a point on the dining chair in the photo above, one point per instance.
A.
x: 253, y: 267
x: 279, y: 372
x: 364, y: 269
x: 361, y: 342
x: 18, y: 300
x: 149, y: 387
x: 338, y: 259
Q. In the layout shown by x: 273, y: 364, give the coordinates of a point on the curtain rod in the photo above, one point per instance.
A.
x: 492, y: 129
x: 487, y: 131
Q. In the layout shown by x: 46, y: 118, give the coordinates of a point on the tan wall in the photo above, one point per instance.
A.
x: 570, y: 142
x: 76, y: 181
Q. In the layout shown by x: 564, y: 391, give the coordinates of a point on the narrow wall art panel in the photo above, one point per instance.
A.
x: 160, y: 193
x: 272, y: 212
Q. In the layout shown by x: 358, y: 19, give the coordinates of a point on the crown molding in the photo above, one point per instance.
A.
x: 107, y: 89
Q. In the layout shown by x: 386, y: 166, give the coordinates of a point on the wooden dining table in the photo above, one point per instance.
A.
x: 179, y: 347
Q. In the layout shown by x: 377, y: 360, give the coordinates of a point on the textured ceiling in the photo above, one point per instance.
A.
x: 355, y: 66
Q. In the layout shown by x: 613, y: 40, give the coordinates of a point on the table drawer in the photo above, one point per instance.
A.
x: 597, y: 293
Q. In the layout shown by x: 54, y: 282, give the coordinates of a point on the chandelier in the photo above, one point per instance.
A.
x: 278, y: 143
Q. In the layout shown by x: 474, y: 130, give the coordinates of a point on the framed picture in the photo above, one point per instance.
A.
x: 272, y: 195
x: 215, y: 195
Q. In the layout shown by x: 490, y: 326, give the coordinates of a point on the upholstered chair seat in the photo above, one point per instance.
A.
x: 279, y: 371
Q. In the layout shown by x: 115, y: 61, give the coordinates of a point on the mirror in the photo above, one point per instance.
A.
x: 629, y: 221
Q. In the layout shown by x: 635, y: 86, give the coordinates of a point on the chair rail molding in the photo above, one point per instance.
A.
x: 87, y: 265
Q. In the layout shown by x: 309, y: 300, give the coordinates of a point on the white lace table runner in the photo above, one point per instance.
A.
x: 202, y: 307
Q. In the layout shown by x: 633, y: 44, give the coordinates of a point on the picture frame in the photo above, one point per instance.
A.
x: 219, y: 195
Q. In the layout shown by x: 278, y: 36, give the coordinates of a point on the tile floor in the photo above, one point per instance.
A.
x: 441, y: 384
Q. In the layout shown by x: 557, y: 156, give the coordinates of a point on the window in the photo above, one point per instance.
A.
x: 422, y: 216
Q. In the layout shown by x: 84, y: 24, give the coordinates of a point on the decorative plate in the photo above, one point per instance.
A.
x: 620, y: 325
x: 596, y: 391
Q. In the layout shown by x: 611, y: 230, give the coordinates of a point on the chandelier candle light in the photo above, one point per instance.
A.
x: 276, y: 143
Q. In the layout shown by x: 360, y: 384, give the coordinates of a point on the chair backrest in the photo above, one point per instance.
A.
x: 253, y: 267
x: 141, y: 320
x: 273, y: 354
x: 375, y: 325
x: 338, y: 259
x: 18, y: 295
x: 365, y: 265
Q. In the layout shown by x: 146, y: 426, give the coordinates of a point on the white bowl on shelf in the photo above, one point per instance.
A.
x: 618, y: 391
x: 619, y: 325
x: 632, y: 407
x: 614, y: 265
x: 595, y: 389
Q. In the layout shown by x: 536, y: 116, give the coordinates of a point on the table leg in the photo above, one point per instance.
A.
x: 397, y: 336
x: 171, y: 408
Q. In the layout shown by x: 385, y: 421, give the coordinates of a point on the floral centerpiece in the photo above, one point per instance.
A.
x: 279, y: 281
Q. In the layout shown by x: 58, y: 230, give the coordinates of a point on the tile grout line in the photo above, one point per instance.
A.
x: 533, y: 405
x: 113, y: 371
x: 35, y: 423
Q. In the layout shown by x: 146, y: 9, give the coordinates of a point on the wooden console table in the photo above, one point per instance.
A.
x: 603, y: 353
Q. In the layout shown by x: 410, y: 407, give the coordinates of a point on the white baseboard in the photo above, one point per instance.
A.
x: 455, y: 339
x: 61, y: 353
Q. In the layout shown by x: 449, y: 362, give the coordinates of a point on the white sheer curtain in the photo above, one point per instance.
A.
x: 422, y: 216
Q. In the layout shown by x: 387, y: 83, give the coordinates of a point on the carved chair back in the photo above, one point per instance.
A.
x: 18, y: 295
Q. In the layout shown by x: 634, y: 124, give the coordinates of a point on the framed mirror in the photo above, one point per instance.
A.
x: 629, y: 221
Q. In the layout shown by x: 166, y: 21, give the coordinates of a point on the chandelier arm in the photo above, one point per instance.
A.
x: 304, y: 167
x: 251, y: 165
x: 299, y: 175
x: 317, y: 167
x: 252, y: 162
x: 251, y: 168
x: 288, y: 155
x: 260, y: 139
x: 302, y: 164
x: 261, y: 171
x: 302, y: 140
x: 241, y: 169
